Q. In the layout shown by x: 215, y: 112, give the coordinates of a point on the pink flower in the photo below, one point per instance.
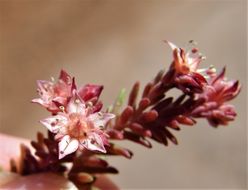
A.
x: 90, y: 94
x: 90, y: 91
x: 78, y: 127
x: 185, y: 62
x: 187, y: 76
x: 56, y: 94
x: 219, y: 91
x: 53, y: 94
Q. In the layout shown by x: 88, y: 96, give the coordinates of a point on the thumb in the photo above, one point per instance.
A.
x: 36, y: 181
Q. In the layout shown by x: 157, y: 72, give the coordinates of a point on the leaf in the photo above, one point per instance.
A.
x: 118, y: 102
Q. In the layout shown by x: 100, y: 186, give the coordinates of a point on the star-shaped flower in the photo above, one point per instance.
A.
x: 185, y: 62
x: 53, y: 93
x: 185, y: 65
x: 77, y: 127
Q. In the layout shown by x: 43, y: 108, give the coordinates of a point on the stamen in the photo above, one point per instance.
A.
x: 211, y: 70
x: 89, y: 104
x: 191, y: 47
x: 62, y: 151
x: 77, y: 101
x: 52, y: 79
x: 62, y: 108
x: 39, y: 92
x: 93, y: 141
x: 194, y: 50
x: 193, y: 42
x: 100, y: 114
x: 101, y: 127
x: 202, y: 70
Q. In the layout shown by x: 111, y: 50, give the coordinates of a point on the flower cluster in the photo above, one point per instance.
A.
x: 218, y: 91
x: 77, y: 122
x: 204, y: 85
x: 76, y: 118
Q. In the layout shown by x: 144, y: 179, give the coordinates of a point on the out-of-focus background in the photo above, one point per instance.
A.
x: 116, y: 43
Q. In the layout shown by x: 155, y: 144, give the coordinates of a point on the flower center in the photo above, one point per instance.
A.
x: 78, y: 126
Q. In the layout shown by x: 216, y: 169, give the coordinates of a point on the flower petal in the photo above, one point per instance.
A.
x: 94, y: 142
x: 65, y: 77
x: 76, y: 105
x: 100, y: 119
x: 60, y: 100
x: 67, y: 146
x: 39, y: 101
x: 44, y: 86
x: 55, y: 123
x: 172, y: 46
x: 45, y: 90
x: 90, y: 91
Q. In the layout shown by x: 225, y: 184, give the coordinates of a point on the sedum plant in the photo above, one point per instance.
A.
x: 80, y: 132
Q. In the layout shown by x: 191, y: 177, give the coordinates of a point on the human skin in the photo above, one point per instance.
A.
x: 9, y: 148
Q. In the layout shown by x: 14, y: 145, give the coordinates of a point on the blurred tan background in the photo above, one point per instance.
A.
x: 116, y: 43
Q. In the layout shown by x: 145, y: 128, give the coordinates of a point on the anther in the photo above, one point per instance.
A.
x: 99, y: 114
x: 194, y: 50
x: 89, y: 104
x: 77, y: 101
x: 62, y: 108
x: 193, y: 42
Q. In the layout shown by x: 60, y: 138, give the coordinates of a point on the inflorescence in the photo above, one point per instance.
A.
x: 80, y: 133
